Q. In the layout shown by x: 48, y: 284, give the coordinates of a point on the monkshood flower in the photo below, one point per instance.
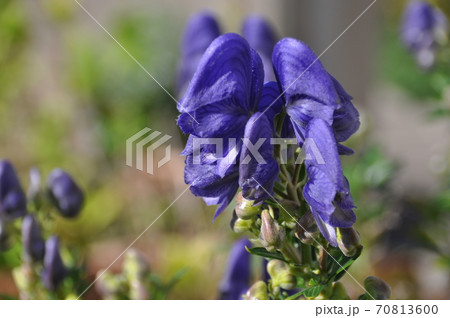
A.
x: 54, y: 269
x: 259, y: 34
x: 310, y: 92
x: 65, y: 193
x: 33, y: 243
x: 13, y: 202
x: 236, y: 280
x: 327, y: 190
x: 226, y: 99
x: 423, y: 29
x: 200, y: 31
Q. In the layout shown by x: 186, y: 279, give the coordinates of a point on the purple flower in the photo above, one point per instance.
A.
x: 259, y: 34
x: 226, y: 99
x: 54, y: 269
x: 65, y: 193
x: 13, y: 202
x: 236, y: 280
x: 200, y: 31
x: 310, y: 92
x: 423, y: 28
x: 327, y: 190
x: 33, y: 243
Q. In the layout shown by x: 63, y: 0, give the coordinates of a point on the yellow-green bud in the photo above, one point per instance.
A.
x: 376, y: 288
x: 135, y: 265
x: 338, y: 292
x: 307, y: 231
x: 244, y: 208
x: 258, y: 291
x: 281, y: 275
x: 108, y: 285
x: 272, y: 234
x: 349, y: 241
x: 239, y: 225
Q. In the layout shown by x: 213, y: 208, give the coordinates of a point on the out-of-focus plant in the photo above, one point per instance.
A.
x: 136, y: 281
x: 46, y: 270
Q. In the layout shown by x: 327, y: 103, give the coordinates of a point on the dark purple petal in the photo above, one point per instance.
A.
x: 200, y: 31
x: 327, y: 190
x: 258, y: 172
x: 259, y: 34
x: 54, y: 269
x: 13, y: 203
x: 225, y: 73
x: 271, y: 102
x: 33, y: 243
x: 65, y: 193
x: 301, y: 75
x: 236, y: 279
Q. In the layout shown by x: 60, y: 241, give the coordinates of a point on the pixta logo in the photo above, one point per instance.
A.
x: 143, y: 145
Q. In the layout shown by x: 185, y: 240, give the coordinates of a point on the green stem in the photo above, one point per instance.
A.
x: 291, y: 253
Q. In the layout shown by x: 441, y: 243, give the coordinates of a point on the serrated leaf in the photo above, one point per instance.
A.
x: 261, y: 251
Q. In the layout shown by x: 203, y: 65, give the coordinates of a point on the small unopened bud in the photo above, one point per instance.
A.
x: 338, y: 292
x: 272, y: 234
x: 244, y: 208
x: 33, y: 243
x: 108, y: 285
x: 258, y: 291
x: 13, y: 203
x: 135, y: 270
x: 135, y: 265
x: 307, y: 230
x: 239, y: 225
x: 65, y: 193
x: 281, y: 275
x: 376, y: 288
x: 54, y: 269
x: 349, y: 241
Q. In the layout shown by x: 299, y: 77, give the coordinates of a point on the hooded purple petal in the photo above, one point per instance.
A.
x: 259, y: 170
x: 236, y: 279
x: 327, y: 190
x: 225, y: 74
x: 13, y: 203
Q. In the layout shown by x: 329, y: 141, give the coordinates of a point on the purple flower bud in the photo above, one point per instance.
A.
x: 65, y: 193
x: 33, y: 243
x: 13, y: 203
x: 423, y: 29
x: 54, y: 269
x: 259, y: 34
x: 237, y: 276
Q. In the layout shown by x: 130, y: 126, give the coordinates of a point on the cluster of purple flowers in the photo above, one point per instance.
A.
x: 423, y: 30
x: 65, y: 195
x: 230, y: 97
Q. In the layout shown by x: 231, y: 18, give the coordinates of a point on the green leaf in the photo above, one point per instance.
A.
x: 261, y: 251
x: 310, y: 292
x: 338, y: 266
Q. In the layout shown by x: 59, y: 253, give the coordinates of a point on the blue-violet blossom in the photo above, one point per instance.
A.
x: 54, y: 269
x: 13, y: 202
x: 236, y: 280
x: 226, y: 99
x: 201, y: 29
x: 423, y: 29
x: 65, y: 193
x: 33, y: 243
